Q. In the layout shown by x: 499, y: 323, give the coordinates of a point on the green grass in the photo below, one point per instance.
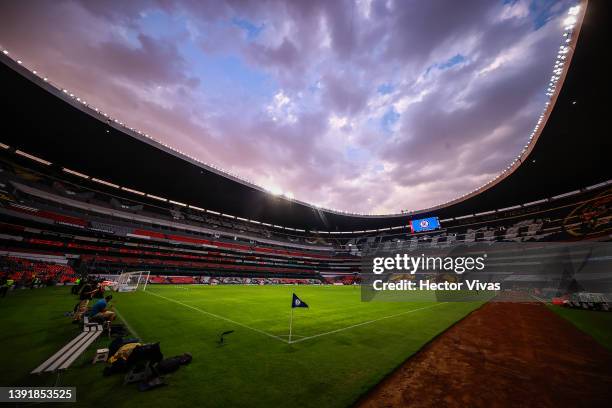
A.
x: 596, y: 324
x: 256, y: 367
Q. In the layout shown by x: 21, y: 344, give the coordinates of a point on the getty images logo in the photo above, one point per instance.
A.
x: 413, y: 264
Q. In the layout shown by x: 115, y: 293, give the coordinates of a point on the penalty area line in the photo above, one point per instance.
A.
x: 364, y: 323
x: 218, y: 317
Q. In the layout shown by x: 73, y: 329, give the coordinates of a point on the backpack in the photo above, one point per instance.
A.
x: 172, y: 364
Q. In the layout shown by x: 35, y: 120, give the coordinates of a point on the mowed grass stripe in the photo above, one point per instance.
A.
x: 331, y: 308
x: 365, y: 323
x: 217, y: 316
x: 301, y: 337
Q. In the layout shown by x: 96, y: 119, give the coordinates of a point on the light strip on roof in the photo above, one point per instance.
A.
x: 594, y: 186
x: 133, y: 191
x: 32, y: 157
x: 156, y: 197
x: 514, y: 207
x: 76, y: 173
x: 106, y: 183
x: 565, y: 194
x: 535, y: 202
x: 484, y: 213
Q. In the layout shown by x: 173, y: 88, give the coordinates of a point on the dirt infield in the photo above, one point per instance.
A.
x: 502, y: 355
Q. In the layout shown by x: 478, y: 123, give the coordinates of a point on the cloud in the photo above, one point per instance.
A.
x: 282, y: 109
x: 365, y: 105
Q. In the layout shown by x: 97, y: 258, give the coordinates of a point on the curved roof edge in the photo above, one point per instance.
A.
x: 327, y: 218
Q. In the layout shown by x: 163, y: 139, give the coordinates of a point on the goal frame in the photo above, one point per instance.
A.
x: 125, y: 283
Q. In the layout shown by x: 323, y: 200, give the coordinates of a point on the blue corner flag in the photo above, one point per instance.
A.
x: 297, y: 302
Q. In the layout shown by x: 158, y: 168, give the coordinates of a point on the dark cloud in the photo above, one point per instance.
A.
x: 343, y: 93
x: 152, y: 61
x: 285, y: 55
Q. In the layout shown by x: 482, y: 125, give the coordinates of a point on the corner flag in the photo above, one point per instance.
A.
x: 297, y: 302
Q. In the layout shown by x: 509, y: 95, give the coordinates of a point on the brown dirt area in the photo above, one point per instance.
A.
x: 502, y: 355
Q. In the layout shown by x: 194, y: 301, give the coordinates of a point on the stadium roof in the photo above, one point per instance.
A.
x: 571, y: 152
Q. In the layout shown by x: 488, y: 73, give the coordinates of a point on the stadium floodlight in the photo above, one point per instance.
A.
x: 131, y: 281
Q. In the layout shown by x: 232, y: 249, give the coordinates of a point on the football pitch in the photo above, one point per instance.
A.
x: 340, y: 348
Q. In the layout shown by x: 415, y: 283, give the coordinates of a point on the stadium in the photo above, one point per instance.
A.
x: 228, y: 293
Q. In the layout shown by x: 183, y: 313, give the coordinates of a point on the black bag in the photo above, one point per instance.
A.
x: 118, y: 330
x: 140, y: 355
x: 172, y: 364
x: 119, y: 366
x: 118, y: 342
x: 147, y: 352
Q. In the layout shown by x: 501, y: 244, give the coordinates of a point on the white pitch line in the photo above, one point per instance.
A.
x: 126, y: 323
x: 364, y: 323
x: 296, y: 341
x: 218, y: 317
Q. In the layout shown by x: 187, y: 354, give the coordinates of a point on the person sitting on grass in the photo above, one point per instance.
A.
x: 86, y: 293
x: 100, y: 312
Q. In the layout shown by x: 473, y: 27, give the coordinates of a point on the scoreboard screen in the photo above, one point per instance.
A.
x: 425, y: 224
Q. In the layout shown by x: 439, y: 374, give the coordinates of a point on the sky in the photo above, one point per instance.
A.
x: 364, y: 106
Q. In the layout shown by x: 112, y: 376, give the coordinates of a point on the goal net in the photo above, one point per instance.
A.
x: 131, y: 281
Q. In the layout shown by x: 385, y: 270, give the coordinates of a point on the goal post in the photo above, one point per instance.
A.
x: 131, y: 281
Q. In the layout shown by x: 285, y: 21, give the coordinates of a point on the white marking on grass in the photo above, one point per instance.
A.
x: 218, y: 317
x: 364, y: 323
x: 303, y: 338
x: 130, y: 328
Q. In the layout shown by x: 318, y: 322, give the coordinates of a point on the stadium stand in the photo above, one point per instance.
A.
x: 35, y: 269
x: 88, y: 228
